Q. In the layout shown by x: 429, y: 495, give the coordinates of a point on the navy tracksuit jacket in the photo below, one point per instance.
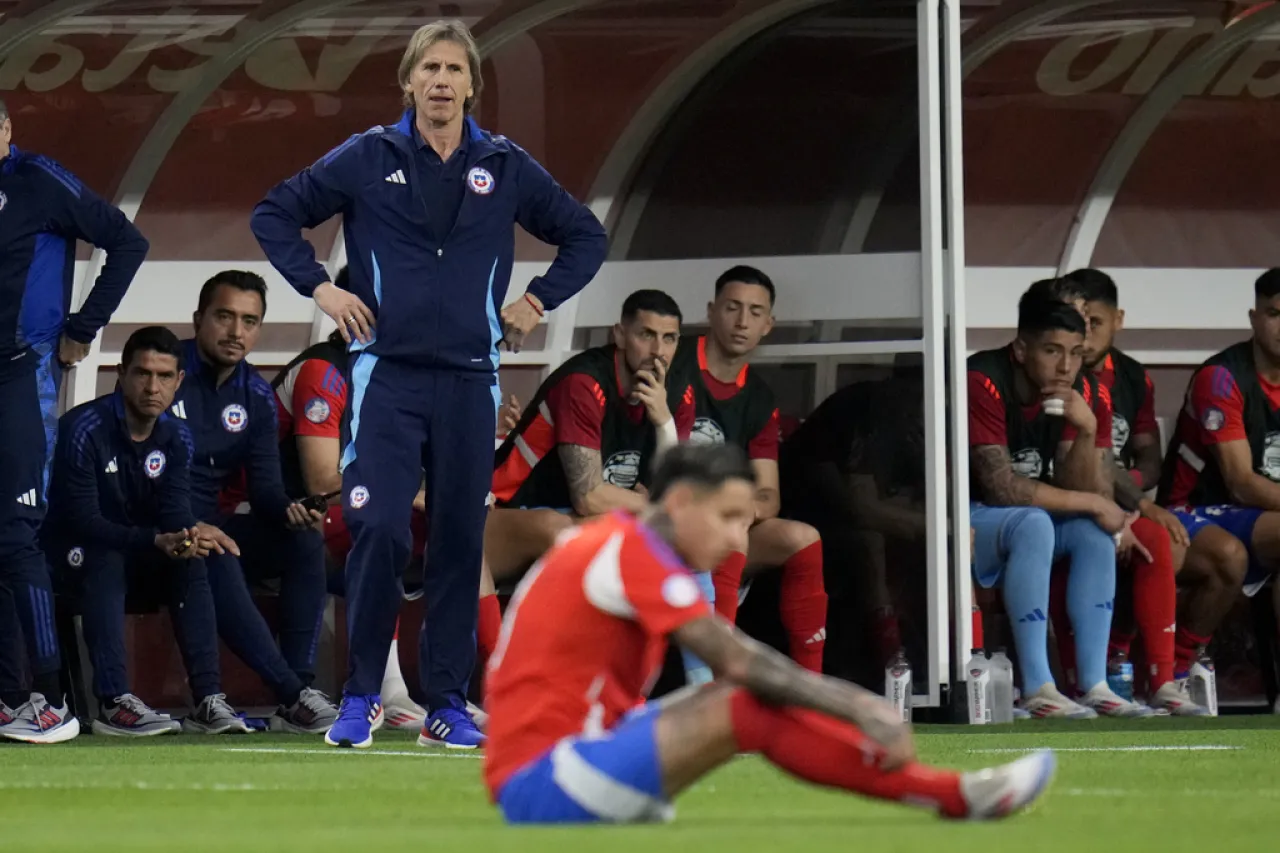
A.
x: 44, y: 210
x: 233, y: 426
x: 423, y: 394
x: 108, y: 499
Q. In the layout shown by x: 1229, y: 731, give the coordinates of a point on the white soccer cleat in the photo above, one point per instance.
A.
x: 1106, y: 702
x: 400, y: 713
x: 1000, y: 791
x: 1049, y: 703
x: 1173, y: 697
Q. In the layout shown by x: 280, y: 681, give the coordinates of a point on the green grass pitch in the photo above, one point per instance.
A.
x: 1162, y: 785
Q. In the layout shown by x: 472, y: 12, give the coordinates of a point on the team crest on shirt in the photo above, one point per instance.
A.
x: 317, y: 410
x: 680, y: 591
x: 706, y: 431
x: 622, y: 469
x: 1271, y: 457
x: 234, y: 418
x: 359, y: 497
x: 75, y: 557
x: 1027, y: 463
x: 480, y: 181
x: 154, y: 464
x: 1119, y: 433
x: 1213, y: 419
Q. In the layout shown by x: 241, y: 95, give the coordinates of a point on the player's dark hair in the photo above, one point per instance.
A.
x: 1097, y: 286
x: 708, y: 466
x: 250, y: 282
x: 1037, y: 315
x: 653, y: 301
x: 1058, y: 289
x: 1268, y: 284
x: 156, y: 339
x: 746, y: 275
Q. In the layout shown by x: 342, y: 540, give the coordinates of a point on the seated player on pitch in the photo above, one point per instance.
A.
x: 1040, y: 490
x: 586, y: 440
x: 734, y: 405
x: 1146, y: 590
x: 1222, y: 471
x: 587, y: 629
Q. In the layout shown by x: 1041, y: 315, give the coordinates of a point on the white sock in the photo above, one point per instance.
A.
x: 392, y: 679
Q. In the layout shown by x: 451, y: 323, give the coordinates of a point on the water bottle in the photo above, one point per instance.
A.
x: 1203, y: 683
x: 1120, y: 676
x: 979, y: 687
x: 897, y: 684
x: 1001, y: 687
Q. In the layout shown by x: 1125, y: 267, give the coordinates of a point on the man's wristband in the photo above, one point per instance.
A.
x: 533, y: 302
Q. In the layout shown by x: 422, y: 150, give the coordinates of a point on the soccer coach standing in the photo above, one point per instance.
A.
x: 44, y: 209
x: 429, y: 210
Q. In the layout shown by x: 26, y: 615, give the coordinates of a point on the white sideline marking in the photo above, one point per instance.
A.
x: 421, y: 753
x: 1184, y: 792
x: 220, y: 787
x: 1208, y: 747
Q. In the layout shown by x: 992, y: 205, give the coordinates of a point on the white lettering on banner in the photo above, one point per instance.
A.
x: 1149, y: 55
x: 279, y: 64
x: 1054, y: 76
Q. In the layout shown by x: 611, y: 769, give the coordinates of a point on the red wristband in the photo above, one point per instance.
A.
x: 529, y: 299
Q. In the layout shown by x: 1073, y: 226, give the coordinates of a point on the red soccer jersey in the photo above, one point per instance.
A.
x: 583, y: 639
x: 1214, y: 414
x: 987, y: 424
x: 1145, y: 421
x: 577, y: 409
x: 311, y: 400
x: 762, y: 445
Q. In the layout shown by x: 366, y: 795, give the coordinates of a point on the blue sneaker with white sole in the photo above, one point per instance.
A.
x: 451, y: 729
x: 358, y: 718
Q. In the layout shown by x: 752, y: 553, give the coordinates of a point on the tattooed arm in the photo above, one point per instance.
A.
x: 774, y: 679
x: 999, y: 485
x: 1127, y: 492
x: 590, y: 494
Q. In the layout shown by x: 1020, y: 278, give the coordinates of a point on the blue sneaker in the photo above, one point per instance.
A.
x: 451, y: 729
x: 358, y: 718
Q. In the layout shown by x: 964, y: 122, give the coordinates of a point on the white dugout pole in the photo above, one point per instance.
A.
x: 933, y: 302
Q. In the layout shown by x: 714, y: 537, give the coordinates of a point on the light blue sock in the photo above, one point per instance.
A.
x: 1026, y: 540
x: 695, y: 671
x: 1091, y: 592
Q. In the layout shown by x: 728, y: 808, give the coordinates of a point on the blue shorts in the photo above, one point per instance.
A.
x: 1236, y: 520
x: 615, y: 777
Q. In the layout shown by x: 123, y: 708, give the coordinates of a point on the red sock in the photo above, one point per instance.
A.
x: 802, y: 605
x: 888, y: 634
x: 727, y: 578
x: 1155, y: 600
x: 828, y: 752
x: 1186, y: 647
x: 487, y: 627
x: 1121, y: 642
x: 1062, y: 626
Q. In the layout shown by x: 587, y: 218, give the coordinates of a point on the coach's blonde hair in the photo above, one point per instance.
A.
x: 454, y: 31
